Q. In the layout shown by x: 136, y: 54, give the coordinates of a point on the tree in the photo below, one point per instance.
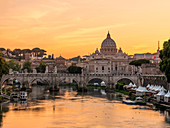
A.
x: 165, y: 59
x: 2, y: 49
x: 38, y: 52
x: 17, y: 52
x: 14, y: 65
x: 27, y: 65
x: 139, y: 62
x: 74, y: 69
x: 42, y: 52
x: 4, y: 69
x: 24, y: 51
x: 41, y: 68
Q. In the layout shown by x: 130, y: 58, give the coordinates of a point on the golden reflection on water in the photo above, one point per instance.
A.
x: 70, y: 94
x: 74, y: 111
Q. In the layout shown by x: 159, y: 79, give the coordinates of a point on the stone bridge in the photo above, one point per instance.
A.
x: 26, y: 79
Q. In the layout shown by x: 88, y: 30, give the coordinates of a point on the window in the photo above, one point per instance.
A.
x: 102, y: 67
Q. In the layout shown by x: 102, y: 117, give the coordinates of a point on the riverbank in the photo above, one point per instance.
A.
x: 122, y: 91
x: 146, y: 99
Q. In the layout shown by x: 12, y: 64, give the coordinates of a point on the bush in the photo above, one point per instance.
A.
x: 119, y: 86
x: 8, y: 93
x: 82, y: 89
x: 74, y: 69
x: 122, y: 91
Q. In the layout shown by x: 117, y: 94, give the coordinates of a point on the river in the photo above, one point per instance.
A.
x: 68, y: 109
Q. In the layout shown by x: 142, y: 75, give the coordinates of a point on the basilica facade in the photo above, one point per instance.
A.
x: 109, y: 60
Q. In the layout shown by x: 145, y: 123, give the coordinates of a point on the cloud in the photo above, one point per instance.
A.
x: 82, y: 31
x: 23, y: 9
x: 62, y: 23
x: 5, y: 4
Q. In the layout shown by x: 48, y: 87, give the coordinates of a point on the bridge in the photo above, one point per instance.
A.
x: 82, y: 80
x: 53, y: 79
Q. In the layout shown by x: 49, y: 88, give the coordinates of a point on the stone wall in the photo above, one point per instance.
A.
x: 155, y: 80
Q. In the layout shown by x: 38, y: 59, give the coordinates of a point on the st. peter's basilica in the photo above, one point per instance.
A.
x: 108, y: 60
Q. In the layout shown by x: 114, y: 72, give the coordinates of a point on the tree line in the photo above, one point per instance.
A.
x: 20, y: 53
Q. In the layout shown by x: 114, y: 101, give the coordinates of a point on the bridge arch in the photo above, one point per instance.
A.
x: 41, y: 79
x: 65, y: 80
x: 96, y: 80
x: 75, y: 81
x: 125, y: 80
x: 4, y: 79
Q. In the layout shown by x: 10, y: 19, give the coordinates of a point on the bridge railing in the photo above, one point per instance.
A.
x: 42, y: 74
x: 153, y: 75
x: 69, y: 75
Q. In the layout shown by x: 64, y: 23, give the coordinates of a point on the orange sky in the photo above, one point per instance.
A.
x: 78, y: 27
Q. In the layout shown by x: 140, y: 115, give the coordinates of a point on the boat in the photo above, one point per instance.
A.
x: 129, y: 102
x: 23, y: 95
x: 96, y: 90
x: 140, y: 101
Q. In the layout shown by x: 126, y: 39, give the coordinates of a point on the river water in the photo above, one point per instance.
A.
x: 68, y: 109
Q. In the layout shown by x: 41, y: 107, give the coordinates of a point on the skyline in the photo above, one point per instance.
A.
x: 73, y: 28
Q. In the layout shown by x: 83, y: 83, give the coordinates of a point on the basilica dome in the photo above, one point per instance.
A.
x: 108, y: 42
x: 108, y: 46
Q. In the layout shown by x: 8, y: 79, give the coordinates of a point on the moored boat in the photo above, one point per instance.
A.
x: 23, y: 95
x: 129, y: 102
x: 140, y: 101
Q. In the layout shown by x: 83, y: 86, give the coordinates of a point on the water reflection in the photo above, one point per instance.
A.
x: 19, y: 105
x: 3, y: 109
x: 167, y: 116
x: 70, y: 109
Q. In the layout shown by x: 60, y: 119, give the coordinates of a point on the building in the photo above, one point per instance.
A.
x: 109, y: 60
x: 61, y: 64
x: 153, y: 57
x: 151, y: 69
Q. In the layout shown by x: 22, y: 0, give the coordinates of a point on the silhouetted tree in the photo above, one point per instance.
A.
x: 4, y: 68
x: 42, y: 53
x: 165, y: 57
x: 74, y: 69
x: 25, y: 51
x: 139, y: 62
x: 17, y: 52
x: 2, y: 49
x: 38, y: 52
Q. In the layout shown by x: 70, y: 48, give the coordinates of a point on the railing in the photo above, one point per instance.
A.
x: 147, y: 75
x: 6, y: 96
x: 73, y: 75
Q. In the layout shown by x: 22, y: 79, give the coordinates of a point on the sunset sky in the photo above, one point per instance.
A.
x: 78, y: 27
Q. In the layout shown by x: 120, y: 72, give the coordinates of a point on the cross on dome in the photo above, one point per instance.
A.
x: 108, y: 35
